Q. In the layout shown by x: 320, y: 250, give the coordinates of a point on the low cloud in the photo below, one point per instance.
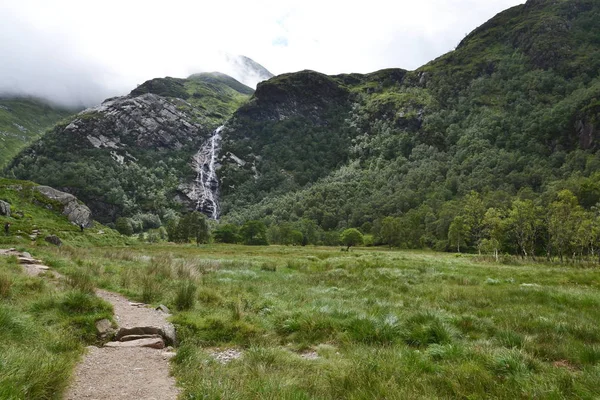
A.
x: 77, y: 53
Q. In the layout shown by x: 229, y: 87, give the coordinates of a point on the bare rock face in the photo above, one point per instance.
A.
x: 4, y: 208
x: 146, y: 121
x: 79, y: 214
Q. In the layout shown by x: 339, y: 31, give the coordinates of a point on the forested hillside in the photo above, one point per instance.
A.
x: 129, y: 156
x: 23, y: 120
x: 510, y: 115
x: 500, y: 134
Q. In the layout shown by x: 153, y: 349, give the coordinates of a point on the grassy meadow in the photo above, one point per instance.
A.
x: 318, y: 323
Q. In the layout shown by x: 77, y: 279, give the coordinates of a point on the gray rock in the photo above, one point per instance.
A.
x: 139, y: 330
x: 169, y: 334
x: 164, y: 309
x: 26, y: 255
x: 4, y: 208
x: 104, y: 328
x: 156, y: 343
x: 78, y: 214
x: 55, y: 240
x: 129, y: 338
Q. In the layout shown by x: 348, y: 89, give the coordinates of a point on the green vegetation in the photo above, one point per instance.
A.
x: 507, y: 115
x: 30, y: 211
x: 23, y: 120
x: 313, y: 322
x: 44, y: 326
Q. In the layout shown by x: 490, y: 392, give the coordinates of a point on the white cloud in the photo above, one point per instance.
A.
x: 77, y: 51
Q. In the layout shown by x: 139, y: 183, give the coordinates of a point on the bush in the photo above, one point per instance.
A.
x: 124, y: 226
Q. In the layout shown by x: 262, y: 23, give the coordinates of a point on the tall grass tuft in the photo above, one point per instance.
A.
x: 151, y: 289
x: 81, y: 280
x: 185, y: 297
x: 5, y: 285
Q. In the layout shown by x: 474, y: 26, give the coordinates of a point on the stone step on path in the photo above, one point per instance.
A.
x: 133, y: 366
x: 31, y: 266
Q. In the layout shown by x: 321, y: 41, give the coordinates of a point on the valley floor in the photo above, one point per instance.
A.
x: 308, y: 322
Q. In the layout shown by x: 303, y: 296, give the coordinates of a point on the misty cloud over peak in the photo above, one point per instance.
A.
x: 77, y: 53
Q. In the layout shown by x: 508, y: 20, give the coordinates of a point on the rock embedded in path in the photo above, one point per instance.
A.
x: 129, y: 338
x: 104, y: 328
x: 156, y: 343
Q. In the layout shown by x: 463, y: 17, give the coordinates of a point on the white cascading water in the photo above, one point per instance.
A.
x: 206, y: 185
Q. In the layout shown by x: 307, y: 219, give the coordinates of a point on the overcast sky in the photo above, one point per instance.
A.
x: 78, y: 52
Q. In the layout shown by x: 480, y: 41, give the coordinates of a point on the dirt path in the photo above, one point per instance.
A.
x: 111, y: 373
x: 136, y: 365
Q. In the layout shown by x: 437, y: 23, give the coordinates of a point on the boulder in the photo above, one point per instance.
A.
x: 55, y: 240
x: 4, y: 208
x: 79, y: 214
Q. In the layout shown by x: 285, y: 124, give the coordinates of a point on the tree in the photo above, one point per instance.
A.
x: 458, y: 232
x: 390, y: 231
x: 564, y: 217
x: 524, y: 222
x: 493, y: 229
x: 351, y: 237
x: 474, y: 212
x: 254, y: 233
x: 190, y: 226
x: 227, y: 234
x: 123, y: 226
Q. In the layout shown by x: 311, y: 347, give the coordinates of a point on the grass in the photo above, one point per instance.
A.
x: 383, y: 324
x: 44, y: 326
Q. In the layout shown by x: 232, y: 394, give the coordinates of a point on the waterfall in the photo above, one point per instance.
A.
x: 206, y: 185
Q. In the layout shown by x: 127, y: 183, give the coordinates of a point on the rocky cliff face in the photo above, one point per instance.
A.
x: 145, y: 121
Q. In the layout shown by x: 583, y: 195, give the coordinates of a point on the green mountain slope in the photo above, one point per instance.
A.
x: 131, y: 154
x: 512, y: 111
x: 23, y: 120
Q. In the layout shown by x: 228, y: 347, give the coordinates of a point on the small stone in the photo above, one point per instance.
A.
x: 164, y: 309
x: 26, y: 255
x: 151, y: 343
x: 104, y: 327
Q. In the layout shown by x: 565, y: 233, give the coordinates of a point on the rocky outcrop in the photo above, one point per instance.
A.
x: 145, y: 121
x: 78, y: 213
x: 4, y: 208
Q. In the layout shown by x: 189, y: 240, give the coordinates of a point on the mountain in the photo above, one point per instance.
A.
x: 133, y: 154
x: 247, y: 70
x: 23, y: 120
x: 512, y: 113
